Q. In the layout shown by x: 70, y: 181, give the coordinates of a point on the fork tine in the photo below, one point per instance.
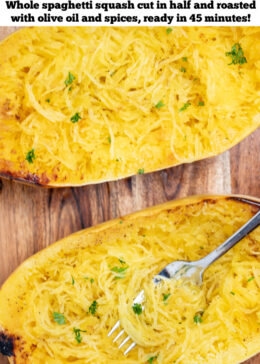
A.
x: 130, y: 348
x: 118, y: 336
x: 124, y: 342
x: 114, y: 328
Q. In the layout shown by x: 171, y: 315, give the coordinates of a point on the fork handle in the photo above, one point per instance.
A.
x: 252, y: 224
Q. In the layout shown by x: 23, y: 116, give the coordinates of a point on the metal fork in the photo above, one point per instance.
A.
x: 191, y: 271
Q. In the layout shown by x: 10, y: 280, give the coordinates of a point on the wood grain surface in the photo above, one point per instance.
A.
x: 33, y: 218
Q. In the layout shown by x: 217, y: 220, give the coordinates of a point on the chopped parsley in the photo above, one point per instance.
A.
x: 75, y: 118
x: 121, y: 222
x: 119, y: 269
x: 69, y: 79
x: 185, y: 59
x: 168, y: 30
x: 233, y: 293
x: 237, y: 55
x: 109, y: 139
x: 150, y: 360
x: 72, y: 281
x: 91, y: 279
x: 201, y: 103
x: 78, y: 336
x: 159, y: 104
x: 166, y: 296
x: 137, y: 308
x: 59, y: 318
x: 185, y: 106
x: 30, y: 157
x: 141, y: 171
x: 93, y: 308
x: 70, y: 88
x: 182, y: 69
x: 48, y: 100
x: 197, y: 319
x: 250, y: 279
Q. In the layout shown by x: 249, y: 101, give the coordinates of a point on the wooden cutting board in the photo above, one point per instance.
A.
x: 33, y: 218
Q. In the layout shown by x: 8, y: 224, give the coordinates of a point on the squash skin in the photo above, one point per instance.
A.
x: 15, y: 344
x: 29, y: 179
x: 41, y: 179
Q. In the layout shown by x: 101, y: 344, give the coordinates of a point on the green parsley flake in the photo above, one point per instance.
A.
x: 159, y: 104
x: 141, y: 171
x: 121, y: 261
x: 48, y: 100
x: 59, y: 318
x: 121, y: 222
x: 75, y: 118
x: 72, y: 281
x: 166, y: 296
x: 185, y: 106
x: 30, y: 157
x: 137, y: 308
x: 197, y: 319
x: 69, y: 79
x: 201, y: 103
x: 93, y: 308
x: 91, y: 279
x: 233, y: 293
x: 250, y: 279
x: 185, y: 59
x: 78, y: 336
x: 119, y: 269
x: 150, y: 360
x: 168, y: 30
x: 182, y: 69
x: 109, y: 139
x: 237, y: 55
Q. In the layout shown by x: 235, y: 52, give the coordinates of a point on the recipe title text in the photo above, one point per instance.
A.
x: 132, y: 12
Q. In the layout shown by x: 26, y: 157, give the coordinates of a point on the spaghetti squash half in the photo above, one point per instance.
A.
x: 84, y: 105
x: 60, y: 304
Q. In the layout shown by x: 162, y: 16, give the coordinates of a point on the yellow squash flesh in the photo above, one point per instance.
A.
x: 110, y: 263
x: 85, y: 105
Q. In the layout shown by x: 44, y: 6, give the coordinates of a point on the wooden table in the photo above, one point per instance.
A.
x: 33, y: 218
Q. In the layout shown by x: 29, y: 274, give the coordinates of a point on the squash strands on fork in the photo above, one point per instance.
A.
x: 60, y: 304
x: 85, y: 105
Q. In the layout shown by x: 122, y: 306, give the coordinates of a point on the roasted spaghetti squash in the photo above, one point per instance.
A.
x: 59, y: 305
x: 84, y: 105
